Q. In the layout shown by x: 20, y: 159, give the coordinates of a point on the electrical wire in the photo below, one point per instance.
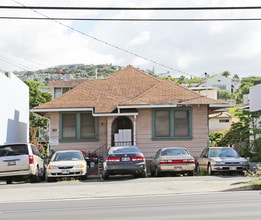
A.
x: 131, y: 8
x: 132, y: 19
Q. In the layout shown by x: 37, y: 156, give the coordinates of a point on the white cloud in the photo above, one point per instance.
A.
x: 142, y: 38
x: 190, y: 47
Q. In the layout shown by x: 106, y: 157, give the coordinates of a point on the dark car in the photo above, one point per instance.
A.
x: 174, y: 160
x: 221, y: 160
x: 124, y: 160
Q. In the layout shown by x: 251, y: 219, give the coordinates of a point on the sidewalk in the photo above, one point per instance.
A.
x: 95, y: 188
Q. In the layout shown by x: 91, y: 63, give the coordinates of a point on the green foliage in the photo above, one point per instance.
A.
x: 224, y: 95
x: 36, y: 98
x: 244, y: 132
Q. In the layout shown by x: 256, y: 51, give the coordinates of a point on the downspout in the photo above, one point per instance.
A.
x: 134, y: 131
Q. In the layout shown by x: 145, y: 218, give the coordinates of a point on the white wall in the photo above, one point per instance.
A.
x: 14, y: 114
x: 254, y: 98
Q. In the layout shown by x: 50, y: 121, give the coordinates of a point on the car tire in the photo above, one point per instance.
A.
x: 157, y: 172
x: 50, y: 179
x: 210, y: 172
x: 105, y: 175
x: 35, y: 178
x: 152, y: 172
x: 191, y: 173
x: 9, y: 181
x: 197, y: 169
x: 84, y: 177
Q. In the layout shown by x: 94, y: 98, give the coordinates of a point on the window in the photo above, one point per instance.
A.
x: 162, y: 123
x: 59, y: 91
x: 78, y: 126
x: 175, y: 123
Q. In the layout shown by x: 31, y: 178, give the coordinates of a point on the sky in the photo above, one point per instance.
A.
x: 187, y: 48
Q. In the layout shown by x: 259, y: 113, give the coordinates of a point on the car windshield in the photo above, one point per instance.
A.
x: 12, y: 150
x: 61, y: 156
x: 178, y: 151
x: 223, y: 152
x: 123, y: 150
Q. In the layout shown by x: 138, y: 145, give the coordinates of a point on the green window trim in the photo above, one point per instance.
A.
x: 78, y: 129
x: 172, y: 124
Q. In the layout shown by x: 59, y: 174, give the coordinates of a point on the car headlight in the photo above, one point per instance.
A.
x: 244, y: 162
x: 217, y: 162
x: 82, y: 165
x: 52, y: 167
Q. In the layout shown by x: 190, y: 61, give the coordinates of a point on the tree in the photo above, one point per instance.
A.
x: 244, y: 135
x: 36, y: 97
x: 226, y: 74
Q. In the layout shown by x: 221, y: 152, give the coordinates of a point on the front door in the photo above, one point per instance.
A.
x: 122, y: 132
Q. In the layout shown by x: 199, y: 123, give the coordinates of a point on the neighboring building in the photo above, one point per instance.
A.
x: 129, y: 108
x: 60, y: 87
x: 254, y: 101
x: 219, y: 82
x: 14, y: 115
x: 208, y: 92
x: 219, y: 121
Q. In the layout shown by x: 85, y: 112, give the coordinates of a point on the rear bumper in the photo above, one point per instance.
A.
x: 17, y: 173
x: 125, y: 169
x: 176, y: 168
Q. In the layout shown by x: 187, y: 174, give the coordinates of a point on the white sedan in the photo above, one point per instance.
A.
x: 67, y: 164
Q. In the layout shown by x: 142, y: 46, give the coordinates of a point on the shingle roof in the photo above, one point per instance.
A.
x: 129, y: 86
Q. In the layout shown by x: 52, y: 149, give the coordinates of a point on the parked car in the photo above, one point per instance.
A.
x: 221, y: 160
x: 174, y: 160
x: 21, y: 161
x: 124, y: 160
x: 66, y: 164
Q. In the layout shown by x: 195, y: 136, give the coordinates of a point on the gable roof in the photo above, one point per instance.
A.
x: 127, y: 87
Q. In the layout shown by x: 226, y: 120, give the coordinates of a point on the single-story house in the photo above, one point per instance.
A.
x: 130, y: 107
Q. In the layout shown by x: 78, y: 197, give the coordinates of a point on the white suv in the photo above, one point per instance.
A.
x: 20, y: 162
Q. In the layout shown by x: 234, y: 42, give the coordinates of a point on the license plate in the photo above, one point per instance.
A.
x: 65, y: 171
x: 125, y: 159
x: 11, y: 163
x: 233, y: 168
x: 177, y: 168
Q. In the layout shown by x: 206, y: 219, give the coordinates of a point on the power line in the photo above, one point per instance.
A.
x: 132, y: 19
x: 132, y: 8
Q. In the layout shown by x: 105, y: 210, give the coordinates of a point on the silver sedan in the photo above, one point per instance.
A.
x: 221, y: 160
x: 176, y: 160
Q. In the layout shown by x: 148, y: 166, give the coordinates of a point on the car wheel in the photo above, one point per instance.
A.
x: 35, y: 178
x: 197, y: 168
x: 50, y: 179
x: 105, y: 175
x: 157, y: 172
x: 191, y: 173
x: 84, y: 177
x: 9, y: 181
x: 152, y: 172
x: 210, y: 172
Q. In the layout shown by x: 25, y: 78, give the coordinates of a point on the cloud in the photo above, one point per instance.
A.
x: 142, y: 38
x: 190, y: 47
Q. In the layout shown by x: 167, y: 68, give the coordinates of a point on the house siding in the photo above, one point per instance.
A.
x: 143, y: 134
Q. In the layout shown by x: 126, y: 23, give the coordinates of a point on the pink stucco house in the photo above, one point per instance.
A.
x: 130, y: 107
